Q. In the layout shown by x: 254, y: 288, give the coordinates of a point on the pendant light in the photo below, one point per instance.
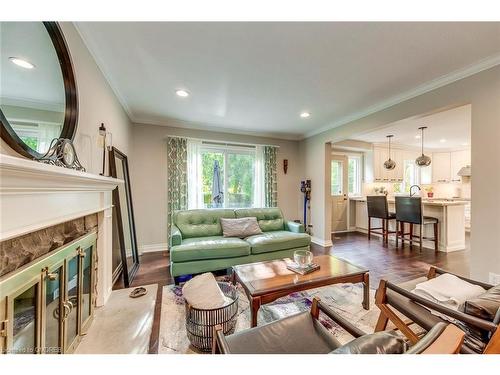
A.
x: 423, y: 160
x: 389, y: 163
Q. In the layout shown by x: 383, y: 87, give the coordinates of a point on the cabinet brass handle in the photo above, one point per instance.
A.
x: 80, y: 252
x: 50, y: 275
x: 67, y: 310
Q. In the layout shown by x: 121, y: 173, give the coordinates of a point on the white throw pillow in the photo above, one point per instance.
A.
x: 241, y: 228
x: 203, y: 292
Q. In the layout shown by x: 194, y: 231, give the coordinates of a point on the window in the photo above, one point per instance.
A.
x: 354, y: 175
x: 410, y: 175
x: 336, y: 175
x: 236, y: 173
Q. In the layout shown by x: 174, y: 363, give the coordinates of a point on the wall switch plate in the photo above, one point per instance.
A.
x: 494, y: 278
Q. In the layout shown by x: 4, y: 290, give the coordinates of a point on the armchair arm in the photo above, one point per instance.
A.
x: 441, y: 339
x: 175, y: 236
x: 294, y: 227
x: 219, y: 343
x: 353, y: 330
x: 458, y: 315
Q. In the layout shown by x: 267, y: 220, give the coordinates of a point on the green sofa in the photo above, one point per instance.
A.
x: 197, y: 244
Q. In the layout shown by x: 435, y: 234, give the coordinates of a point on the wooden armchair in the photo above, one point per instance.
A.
x: 303, y: 334
x: 483, y: 336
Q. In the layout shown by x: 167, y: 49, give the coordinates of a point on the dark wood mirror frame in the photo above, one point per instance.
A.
x: 115, y: 156
x: 71, y: 112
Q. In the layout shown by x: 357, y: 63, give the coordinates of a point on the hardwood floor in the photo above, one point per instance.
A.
x: 383, y: 261
x: 387, y: 262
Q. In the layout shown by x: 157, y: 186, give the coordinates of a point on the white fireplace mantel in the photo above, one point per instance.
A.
x: 35, y: 196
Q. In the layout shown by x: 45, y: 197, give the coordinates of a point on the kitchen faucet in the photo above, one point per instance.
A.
x: 411, y: 187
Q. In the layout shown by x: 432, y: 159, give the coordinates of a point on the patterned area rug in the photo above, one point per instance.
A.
x: 343, y: 298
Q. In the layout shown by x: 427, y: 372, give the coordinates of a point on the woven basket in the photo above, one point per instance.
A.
x: 200, y: 323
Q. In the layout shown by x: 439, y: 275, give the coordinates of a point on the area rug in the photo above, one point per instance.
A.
x: 345, y: 299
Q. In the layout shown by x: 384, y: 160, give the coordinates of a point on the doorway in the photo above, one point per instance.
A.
x: 339, y: 187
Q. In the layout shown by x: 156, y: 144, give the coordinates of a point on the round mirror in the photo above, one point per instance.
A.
x: 37, y: 87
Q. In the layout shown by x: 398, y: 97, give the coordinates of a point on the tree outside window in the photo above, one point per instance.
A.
x: 237, y: 177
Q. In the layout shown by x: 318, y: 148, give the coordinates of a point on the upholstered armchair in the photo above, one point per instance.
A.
x: 303, y: 334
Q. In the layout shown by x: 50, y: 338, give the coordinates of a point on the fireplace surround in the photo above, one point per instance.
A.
x: 46, y: 213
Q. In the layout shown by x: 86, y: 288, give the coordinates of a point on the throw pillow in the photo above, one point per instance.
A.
x: 203, y: 292
x: 241, y: 228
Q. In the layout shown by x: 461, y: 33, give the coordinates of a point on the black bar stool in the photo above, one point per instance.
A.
x: 409, y: 210
x: 378, y: 208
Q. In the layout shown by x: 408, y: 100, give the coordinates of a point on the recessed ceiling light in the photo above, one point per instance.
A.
x: 417, y: 136
x: 442, y: 140
x: 22, y: 63
x: 182, y: 93
x: 305, y: 114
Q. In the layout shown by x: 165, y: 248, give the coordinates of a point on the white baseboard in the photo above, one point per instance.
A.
x: 321, y: 242
x: 153, y: 248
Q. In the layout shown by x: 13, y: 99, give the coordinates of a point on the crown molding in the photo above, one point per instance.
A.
x: 444, y: 80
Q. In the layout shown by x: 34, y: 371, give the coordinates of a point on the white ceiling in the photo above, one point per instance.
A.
x: 258, y: 77
x: 453, y: 126
x: 41, y: 87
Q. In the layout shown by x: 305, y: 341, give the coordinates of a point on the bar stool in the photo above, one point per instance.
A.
x: 378, y: 208
x: 409, y: 210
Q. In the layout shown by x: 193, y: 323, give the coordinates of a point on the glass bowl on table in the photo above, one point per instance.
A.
x: 303, y: 258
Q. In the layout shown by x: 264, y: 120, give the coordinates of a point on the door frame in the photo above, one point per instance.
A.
x: 344, y: 158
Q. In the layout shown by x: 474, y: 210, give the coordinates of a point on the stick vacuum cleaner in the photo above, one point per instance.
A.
x: 305, y: 188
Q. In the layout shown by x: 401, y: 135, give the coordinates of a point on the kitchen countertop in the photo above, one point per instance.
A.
x: 426, y: 201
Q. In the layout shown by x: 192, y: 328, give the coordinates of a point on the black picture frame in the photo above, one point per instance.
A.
x: 71, y: 106
x: 128, y: 273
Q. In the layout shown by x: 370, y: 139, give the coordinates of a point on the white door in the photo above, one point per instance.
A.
x: 339, y: 181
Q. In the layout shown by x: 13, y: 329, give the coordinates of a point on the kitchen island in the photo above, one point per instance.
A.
x: 450, y: 213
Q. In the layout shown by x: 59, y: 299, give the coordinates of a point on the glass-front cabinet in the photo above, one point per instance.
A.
x: 47, y: 305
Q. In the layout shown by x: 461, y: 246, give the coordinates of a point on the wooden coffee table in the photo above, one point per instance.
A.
x: 265, y: 282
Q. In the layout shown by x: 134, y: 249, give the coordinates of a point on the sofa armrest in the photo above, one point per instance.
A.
x: 292, y: 226
x: 175, y: 236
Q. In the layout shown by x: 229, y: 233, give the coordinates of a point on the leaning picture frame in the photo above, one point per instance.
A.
x: 124, y: 224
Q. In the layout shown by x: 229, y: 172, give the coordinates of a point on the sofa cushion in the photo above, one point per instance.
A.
x: 241, y: 228
x: 201, y: 223
x: 269, y: 219
x: 214, y: 247
x: 277, y: 240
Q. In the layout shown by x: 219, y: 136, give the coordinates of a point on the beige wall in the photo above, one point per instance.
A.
x: 482, y: 91
x: 148, y: 169
x: 97, y: 103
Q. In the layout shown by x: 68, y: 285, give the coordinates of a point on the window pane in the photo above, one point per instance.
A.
x: 336, y: 177
x: 240, y: 176
x: 208, y: 162
x: 409, y: 177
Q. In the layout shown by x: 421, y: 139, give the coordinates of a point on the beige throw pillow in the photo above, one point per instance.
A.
x: 241, y: 228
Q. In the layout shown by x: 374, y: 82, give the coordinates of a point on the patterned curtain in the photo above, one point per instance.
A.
x: 270, y: 176
x: 177, y: 178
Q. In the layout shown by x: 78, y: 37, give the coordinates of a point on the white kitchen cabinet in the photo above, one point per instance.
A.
x: 441, y: 166
x: 458, y: 159
x: 380, y: 174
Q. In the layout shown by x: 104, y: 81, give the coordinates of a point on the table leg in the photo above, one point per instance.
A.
x: 366, y: 291
x: 233, y: 277
x: 254, y: 310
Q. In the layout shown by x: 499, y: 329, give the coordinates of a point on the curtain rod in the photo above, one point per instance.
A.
x: 222, y: 142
